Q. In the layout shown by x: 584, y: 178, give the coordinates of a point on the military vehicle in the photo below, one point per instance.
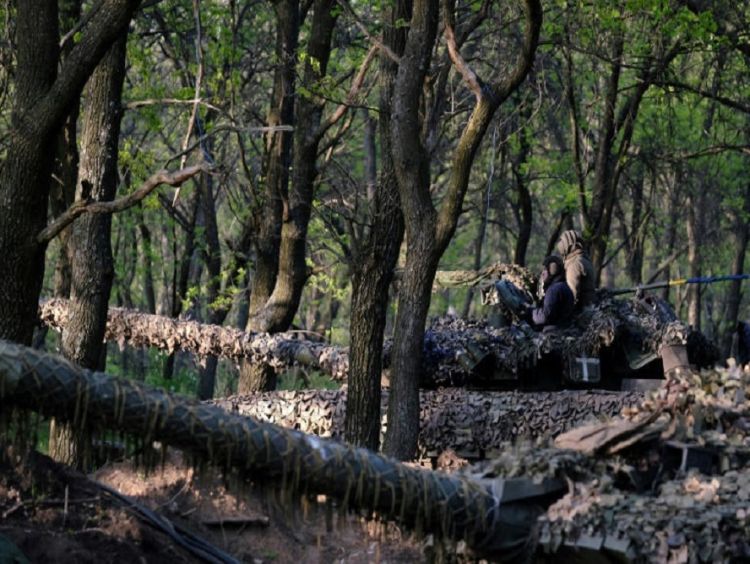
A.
x: 614, y: 344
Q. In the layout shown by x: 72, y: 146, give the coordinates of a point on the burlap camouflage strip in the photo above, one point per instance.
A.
x: 138, y: 329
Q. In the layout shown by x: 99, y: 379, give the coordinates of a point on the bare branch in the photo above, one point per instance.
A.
x: 81, y: 23
x: 81, y: 207
x: 723, y: 100
x: 352, y: 96
x: 470, y: 77
x: 135, y: 104
x: 198, y: 81
x: 504, y: 88
x: 374, y: 40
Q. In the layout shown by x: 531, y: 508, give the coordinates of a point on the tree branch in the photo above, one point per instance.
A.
x: 354, y: 90
x: 374, y: 40
x: 470, y: 77
x: 81, y: 207
x: 503, y: 88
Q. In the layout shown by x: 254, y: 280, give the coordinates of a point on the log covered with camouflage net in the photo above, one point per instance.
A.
x: 472, y: 424
x: 492, y: 516
x: 280, y: 350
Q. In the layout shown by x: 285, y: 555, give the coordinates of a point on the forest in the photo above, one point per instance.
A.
x: 208, y: 206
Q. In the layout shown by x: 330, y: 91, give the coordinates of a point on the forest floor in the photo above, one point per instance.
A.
x: 93, y: 526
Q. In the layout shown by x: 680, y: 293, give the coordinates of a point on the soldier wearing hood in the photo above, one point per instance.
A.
x: 579, y: 271
x: 557, y: 307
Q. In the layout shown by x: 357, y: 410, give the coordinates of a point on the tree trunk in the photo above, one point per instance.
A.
x: 603, y: 178
x: 525, y: 219
x: 25, y: 174
x: 92, y: 265
x: 146, y: 247
x: 694, y: 260
x: 65, y: 172
x: 406, y: 366
x: 211, y: 252
x: 373, y: 266
x: 277, y: 161
x: 428, y: 231
x: 412, y: 171
x: 41, y: 104
x: 278, y: 310
x: 734, y: 297
x: 181, y: 270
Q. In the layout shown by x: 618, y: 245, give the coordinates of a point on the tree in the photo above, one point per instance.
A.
x: 42, y: 98
x: 375, y: 254
x: 429, y: 230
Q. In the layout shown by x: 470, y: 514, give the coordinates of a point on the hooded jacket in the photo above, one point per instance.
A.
x: 579, y: 271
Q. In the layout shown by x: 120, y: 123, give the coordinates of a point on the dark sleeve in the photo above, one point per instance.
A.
x: 543, y: 315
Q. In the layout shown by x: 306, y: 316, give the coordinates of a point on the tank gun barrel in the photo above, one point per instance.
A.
x: 680, y: 282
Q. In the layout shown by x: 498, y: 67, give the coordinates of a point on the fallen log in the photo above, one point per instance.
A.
x: 138, y: 329
x: 490, y: 517
x: 473, y: 424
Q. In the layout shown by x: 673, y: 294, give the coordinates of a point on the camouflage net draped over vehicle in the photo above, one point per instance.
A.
x: 669, y: 481
x: 472, y: 424
x: 431, y: 502
x: 454, y: 347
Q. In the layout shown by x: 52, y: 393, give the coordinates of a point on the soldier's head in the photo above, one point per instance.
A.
x: 553, y: 271
x: 569, y: 241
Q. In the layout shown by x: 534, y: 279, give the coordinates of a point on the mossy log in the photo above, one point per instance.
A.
x: 492, y: 517
x: 473, y: 424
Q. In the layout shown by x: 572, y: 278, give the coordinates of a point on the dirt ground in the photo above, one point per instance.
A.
x: 54, y: 514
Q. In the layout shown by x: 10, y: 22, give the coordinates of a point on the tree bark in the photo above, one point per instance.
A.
x: 375, y: 260
x: 694, y: 261
x: 412, y: 171
x: 525, y: 211
x: 65, y: 171
x: 429, y: 231
x: 92, y: 265
x: 41, y: 102
x: 277, y: 161
x: 734, y: 298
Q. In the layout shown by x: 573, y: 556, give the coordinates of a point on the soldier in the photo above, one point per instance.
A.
x: 558, y: 304
x: 579, y: 272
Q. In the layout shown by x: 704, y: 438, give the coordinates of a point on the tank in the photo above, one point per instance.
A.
x: 614, y: 344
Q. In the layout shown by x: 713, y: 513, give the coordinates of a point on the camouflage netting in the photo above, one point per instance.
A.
x: 279, y: 350
x: 481, y: 513
x: 633, y: 491
x: 455, y: 347
x: 518, y: 275
x: 667, y: 482
x: 473, y: 424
